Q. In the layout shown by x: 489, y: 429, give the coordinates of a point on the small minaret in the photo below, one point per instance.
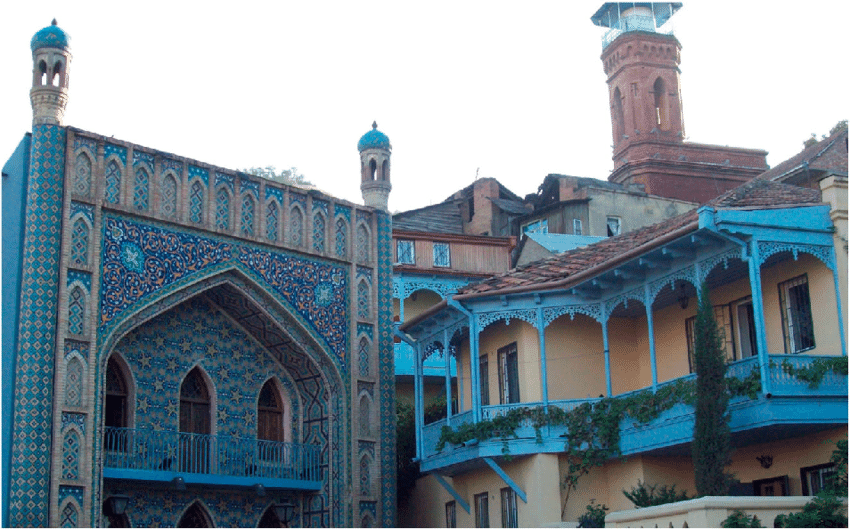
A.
x: 375, y: 150
x: 51, y: 62
x: 642, y: 65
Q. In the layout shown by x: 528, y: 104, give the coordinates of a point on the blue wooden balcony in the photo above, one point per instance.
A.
x: 211, y: 460
x: 434, y: 365
x: 792, y: 408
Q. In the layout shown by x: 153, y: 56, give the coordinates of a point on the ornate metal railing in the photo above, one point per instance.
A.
x: 631, y: 23
x: 170, y: 451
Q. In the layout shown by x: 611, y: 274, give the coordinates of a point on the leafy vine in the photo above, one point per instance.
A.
x: 815, y: 372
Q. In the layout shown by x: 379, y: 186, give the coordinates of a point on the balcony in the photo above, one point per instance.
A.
x: 210, y: 460
x: 434, y: 365
x: 793, y: 407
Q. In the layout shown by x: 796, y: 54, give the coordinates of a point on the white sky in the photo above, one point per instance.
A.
x: 513, y: 88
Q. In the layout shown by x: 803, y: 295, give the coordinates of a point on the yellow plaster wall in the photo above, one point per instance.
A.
x: 628, y: 342
x: 424, y: 299
x: 575, y: 363
x: 498, y: 335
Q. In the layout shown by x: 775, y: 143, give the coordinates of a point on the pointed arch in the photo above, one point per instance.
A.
x: 318, y: 232
x: 82, y: 174
x: 662, y: 111
x: 112, y: 187
x: 71, y: 454
x: 80, y: 231
x: 365, y: 416
x: 196, y: 515
x: 296, y: 226
x: 272, y: 220
x: 196, y: 411
x: 141, y: 191
x: 341, y: 231
x: 364, y: 300
x: 247, y: 214
x: 618, y: 116
x: 271, y: 413
x: 269, y: 518
x: 70, y: 514
x: 168, y: 196
x: 364, y: 250
x: 197, y: 199
x: 222, y: 209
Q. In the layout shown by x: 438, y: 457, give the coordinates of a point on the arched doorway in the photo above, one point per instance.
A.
x: 195, y: 516
x: 194, y: 423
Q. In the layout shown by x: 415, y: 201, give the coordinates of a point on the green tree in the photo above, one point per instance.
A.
x: 407, y: 471
x: 285, y: 176
x: 711, y: 447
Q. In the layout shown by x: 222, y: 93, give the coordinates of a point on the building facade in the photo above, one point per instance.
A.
x: 179, y: 338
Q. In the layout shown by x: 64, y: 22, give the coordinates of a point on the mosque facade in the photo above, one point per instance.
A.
x: 186, y: 345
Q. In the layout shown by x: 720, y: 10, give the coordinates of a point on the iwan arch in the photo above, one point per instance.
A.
x: 185, y: 344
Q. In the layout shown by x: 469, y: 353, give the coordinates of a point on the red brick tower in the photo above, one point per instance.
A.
x: 641, y: 61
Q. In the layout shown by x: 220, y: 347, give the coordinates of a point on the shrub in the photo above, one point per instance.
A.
x: 825, y: 510
x: 594, y: 517
x: 739, y: 518
x: 648, y: 495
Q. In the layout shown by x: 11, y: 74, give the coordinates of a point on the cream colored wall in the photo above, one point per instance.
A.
x: 634, y: 211
x: 575, y: 360
x: 628, y: 341
x: 498, y: 335
x: 424, y: 300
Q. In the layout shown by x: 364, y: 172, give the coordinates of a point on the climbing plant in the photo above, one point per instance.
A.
x: 815, y: 372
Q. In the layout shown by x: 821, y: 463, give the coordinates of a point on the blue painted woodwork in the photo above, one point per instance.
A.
x: 434, y: 365
x: 506, y: 478
x: 792, y: 404
x: 453, y: 492
x: 162, y: 455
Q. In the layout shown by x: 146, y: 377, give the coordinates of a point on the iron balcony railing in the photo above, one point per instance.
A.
x: 631, y: 23
x: 181, y: 452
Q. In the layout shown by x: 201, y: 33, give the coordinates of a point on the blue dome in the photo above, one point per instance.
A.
x: 374, y: 139
x: 50, y: 37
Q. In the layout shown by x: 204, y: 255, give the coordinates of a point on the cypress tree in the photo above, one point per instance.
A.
x: 711, y: 447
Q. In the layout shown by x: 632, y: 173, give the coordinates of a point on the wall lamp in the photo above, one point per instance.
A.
x: 118, y: 504
x: 766, y: 461
x: 285, y: 512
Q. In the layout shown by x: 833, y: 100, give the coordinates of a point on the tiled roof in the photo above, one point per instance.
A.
x: 439, y: 218
x: 598, y: 257
x: 816, y: 155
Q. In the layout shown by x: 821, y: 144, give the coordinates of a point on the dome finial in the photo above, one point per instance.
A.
x: 54, y: 23
x: 374, y: 124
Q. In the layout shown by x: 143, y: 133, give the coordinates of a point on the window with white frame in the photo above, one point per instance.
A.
x: 796, y: 308
x: 509, y: 517
x: 613, y: 226
x: 540, y: 226
x: 508, y: 375
x: 577, y: 227
x: 817, y: 478
x: 482, y: 510
x: 442, y: 257
x: 404, y: 252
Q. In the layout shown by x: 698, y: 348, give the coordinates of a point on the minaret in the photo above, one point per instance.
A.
x: 375, y: 150
x: 642, y: 65
x: 641, y: 62
x: 51, y: 62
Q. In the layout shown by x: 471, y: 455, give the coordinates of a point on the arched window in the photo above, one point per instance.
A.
x: 318, y: 232
x: 195, y: 516
x: 196, y: 202
x: 222, y: 209
x: 82, y: 175
x: 80, y: 243
x: 57, y: 70
x: 140, y: 189
x: 112, y: 190
x: 247, y: 215
x: 42, y: 68
x: 363, y: 301
x: 168, y: 197
x: 341, y: 237
x: 385, y: 171
x: 115, y: 407
x: 619, y: 116
x: 373, y: 170
x: 195, y: 421
x: 296, y: 226
x: 661, y: 110
x: 270, y: 422
x: 77, y: 311
x: 272, y: 220
x: 363, y: 250
x: 269, y: 518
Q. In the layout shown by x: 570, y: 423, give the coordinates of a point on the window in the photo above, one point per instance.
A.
x: 576, y: 226
x: 482, y: 514
x: 484, y: 380
x: 509, y: 518
x: 613, y: 226
x: 115, y: 407
x: 194, y: 424
x: 405, y: 253
x: 451, y: 514
x: 540, y: 226
x: 269, y: 419
x: 442, y: 257
x: 508, y: 375
x: 777, y: 486
x: 796, y: 315
x: 817, y: 478
x: 724, y: 328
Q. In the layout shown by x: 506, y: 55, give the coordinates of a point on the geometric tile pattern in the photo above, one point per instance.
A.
x: 110, y: 150
x: 197, y: 172
x: 140, y: 189
x: 341, y: 237
x: 82, y: 175
x: 71, y: 456
x: 318, y: 232
x: 30, y: 472
x: 386, y: 375
x: 296, y: 220
x: 247, y: 215
x: 74, y: 383
x: 222, y: 209
x: 139, y: 260
x: 272, y: 220
x: 196, y: 202
x: 112, y: 187
x: 69, y: 516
